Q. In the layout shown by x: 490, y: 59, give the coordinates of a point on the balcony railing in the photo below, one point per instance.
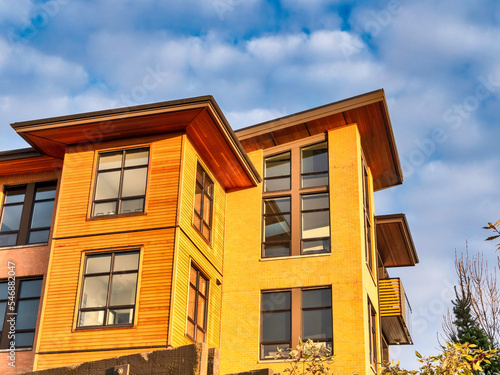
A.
x: 395, y: 311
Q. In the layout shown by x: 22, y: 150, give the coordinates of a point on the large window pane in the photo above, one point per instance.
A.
x: 24, y: 339
x: 313, y: 180
x: 317, y: 324
x: 278, y: 165
x: 203, y: 203
x: 95, y: 291
x: 132, y: 205
x: 277, y: 228
x: 31, y: 288
x: 42, y: 214
x: 276, y: 301
x: 315, y: 224
x: 27, y: 312
x: 123, y: 289
x: 134, y: 182
x: 39, y: 236
x: 110, y: 161
x: 136, y: 158
x: 106, y: 208
x: 8, y: 239
x: 276, y: 205
x: 276, y: 326
x: 120, y: 316
x: 11, y: 218
x: 276, y: 250
x: 126, y: 261
x: 98, y: 263
x: 197, y: 305
x: 316, y: 298
x: 45, y: 192
x: 315, y: 158
x: 314, y: 202
x: 108, y: 184
x: 91, y: 318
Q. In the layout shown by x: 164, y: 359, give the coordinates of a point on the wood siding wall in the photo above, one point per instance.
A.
x: 60, y: 343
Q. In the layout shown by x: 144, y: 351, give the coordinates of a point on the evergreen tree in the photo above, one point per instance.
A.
x: 469, y: 331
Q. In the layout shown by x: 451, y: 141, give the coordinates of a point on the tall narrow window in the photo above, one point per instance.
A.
x: 198, y: 305
x: 277, y: 231
x: 203, y: 203
x: 21, y: 301
x: 287, y: 315
x: 372, y: 327
x: 367, y: 218
x: 109, y: 289
x: 27, y: 214
x: 121, y: 182
x: 296, y: 207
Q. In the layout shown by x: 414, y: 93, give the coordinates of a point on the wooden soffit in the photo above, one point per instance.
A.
x: 200, y: 117
x: 370, y: 113
x: 394, y: 241
x: 26, y: 160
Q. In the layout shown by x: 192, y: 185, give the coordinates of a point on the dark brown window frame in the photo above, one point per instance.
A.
x: 367, y: 217
x: 296, y: 318
x: 110, y: 274
x: 295, y: 192
x: 194, y: 320
x: 204, y: 195
x: 372, y: 331
x: 28, y: 206
x: 5, y: 325
x: 119, y: 199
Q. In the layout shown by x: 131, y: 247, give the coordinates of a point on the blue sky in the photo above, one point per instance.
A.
x: 437, y: 61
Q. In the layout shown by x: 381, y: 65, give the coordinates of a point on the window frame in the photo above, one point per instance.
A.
x: 295, y: 193
x: 204, y: 195
x: 296, y: 317
x: 110, y: 274
x: 119, y: 198
x: 5, y: 325
x: 372, y: 332
x: 367, y: 220
x: 205, y: 297
x: 28, y: 208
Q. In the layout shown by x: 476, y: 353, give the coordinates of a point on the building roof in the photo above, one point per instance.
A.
x: 368, y: 111
x: 199, y: 117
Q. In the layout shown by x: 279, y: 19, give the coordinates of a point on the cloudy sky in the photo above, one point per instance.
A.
x: 438, y: 62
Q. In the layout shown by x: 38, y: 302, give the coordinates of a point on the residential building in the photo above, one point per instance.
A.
x: 141, y: 228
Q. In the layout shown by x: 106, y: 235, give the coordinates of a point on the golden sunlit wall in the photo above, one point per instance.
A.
x: 344, y: 269
x: 192, y: 247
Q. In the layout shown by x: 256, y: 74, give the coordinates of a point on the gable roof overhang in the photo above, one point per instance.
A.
x: 394, y: 241
x: 200, y: 117
x: 26, y: 160
x: 369, y: 111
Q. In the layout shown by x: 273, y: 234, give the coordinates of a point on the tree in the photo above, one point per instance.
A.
x: 494, y: 228
x: 455, y: 358
x: 309, y: 358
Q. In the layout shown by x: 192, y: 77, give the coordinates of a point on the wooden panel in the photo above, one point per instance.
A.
x: 61, y: 303
x: 161, y: 197
x: 394, y: 242
x: 29, y: 165
x: 290, y: 134
x: 257, y: 143
x: 324, y: 124
x: 217, y: 153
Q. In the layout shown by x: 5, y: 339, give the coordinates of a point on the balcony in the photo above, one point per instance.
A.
x: 395, y: 312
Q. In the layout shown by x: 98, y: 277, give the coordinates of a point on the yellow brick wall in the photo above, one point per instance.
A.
x: 245, y: 274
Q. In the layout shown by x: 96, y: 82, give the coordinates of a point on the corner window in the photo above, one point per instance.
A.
x: 203, y: 203
x: 20, y: 300
x: 109, y: 289
x: 367, y: 218
x: 372, y: 329
x: 287, y: 315
x: 120, y: 186
x: 27, y: 214
x: 197, y: 306
x: 296, y: 208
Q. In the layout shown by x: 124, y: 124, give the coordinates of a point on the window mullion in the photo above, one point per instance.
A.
x: 296, y: 316
x: 120, y: 186
x: 22, y: 237
x: 108, y: 297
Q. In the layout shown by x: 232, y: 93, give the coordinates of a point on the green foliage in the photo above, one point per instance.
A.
x: 494, y: 228
x: 455, y: 358
x: 308, y: 358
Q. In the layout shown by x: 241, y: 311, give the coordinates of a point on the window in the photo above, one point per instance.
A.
x: 19, y: 300
x: 121, y: 182
x: 203, y: 203
x: 198, y: 305
x: 27, y: 213
x: 372, y: 329
x: 287, y: 315
x: 109, y: 289
x: 367, y: 218
x: 296, y: 209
